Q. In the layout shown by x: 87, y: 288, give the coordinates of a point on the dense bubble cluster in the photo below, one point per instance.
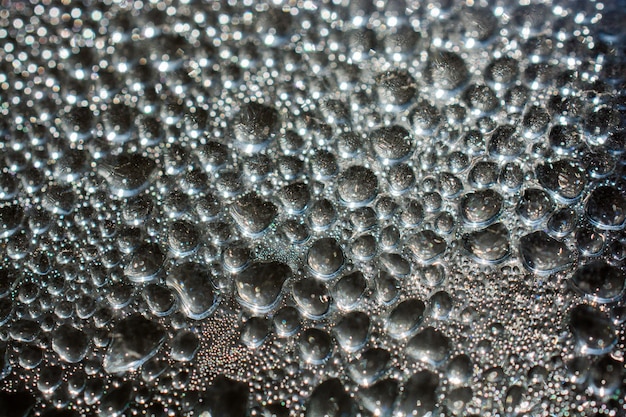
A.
x: 312, y: 208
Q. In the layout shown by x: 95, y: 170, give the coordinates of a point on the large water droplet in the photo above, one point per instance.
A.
x: 606, y: 208
x: 159, y: 299
x: 144, y: 263
x: 252, y: 214
x: 330, y: 399
x: 392, y: 144
x: 380, y: 398
x: 426, y: 245
x: 357, y: 186
x: 480, y: 208
x: 193, y: 284
x: 349, y: 290
x: 255, y: 125
x: 419, y: 396
x: 396, y: 87
x: 325, y: 257
x: 315, y: 346
x: 543, y: 254
x: 564, y: 178
x: 430, y: 346
x: 259, y: 286
x: 70, y: 343
x: 599, y: 282
x: 593, y: 331
x: 446, y: 70
x: 405, y: 318
x: 312, y: 297
x: 184, y: 346
x: 134, y: 340
x: 489, y: 245
x: 127, y: 174
x: 10, y: 219
x: 351, y: 330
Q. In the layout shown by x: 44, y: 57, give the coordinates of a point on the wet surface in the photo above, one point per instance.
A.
x: 318, y: 209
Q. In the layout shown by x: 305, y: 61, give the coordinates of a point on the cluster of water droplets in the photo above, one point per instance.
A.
x: 312, y: 208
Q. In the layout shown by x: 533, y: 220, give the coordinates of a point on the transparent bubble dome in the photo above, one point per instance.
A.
x: 313, y: 208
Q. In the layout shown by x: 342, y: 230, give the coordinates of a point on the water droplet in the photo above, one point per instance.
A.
x: 405, y: 318
x: 426, y: 245
x: 325, y: 257
x: 401, y: 178
x: 564, y: 178
x: 505, y: 144
x: 536, y: 121
x: 419, y: 396
x: 502, y: 70
x: 324, y: 165
x: 440, y: 305
x: 534, y: 206
x: 395, y: 264
x: 312, y: 298
x: 127, y: 174
x: 606, y: 376
x: 364, y: 247
x: 599, y: 282
x: 30, y: 357
x: 295, y: 197
x: 544, y: 255
x: 50, y: 379
x: 489, y: 245
x: 134, y: 340
x: 70, y: 343
x: 564, y: 139
x: 387, y: 288
x: 252, y: 214
x: 425, y: 117
x: 351, y: 330
x: 429, y: 345
x: 446, y: 70
x: 213, y: 155
x: 459, y: 369
x: 225, y: 397
x: 286, y: 321
x: 254, y: 332
x: 144, y: 263
x: 412, y: 213
x: 182, y: 237
x: 10, y: 219
x: 562, y: 222
x: 322, y: 215
x: 379, y: 398
x: 315, y: 346
x: 606, y: 208
x: 259, y: 286
x: 192, y: 282
x: 594, y: 333
x: 478, y: 23
x: 330, y: 399
x: 349, y: 290
x: 77, y: 122
x: 369, y: 366
x: 396, y: 87
x: 480, y: 208
x: 59, y: 199
x: 159, y: 299
x: 256, y: 123
x: 357, y: 186
x: 116, y: 401
x: 480, y: 98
